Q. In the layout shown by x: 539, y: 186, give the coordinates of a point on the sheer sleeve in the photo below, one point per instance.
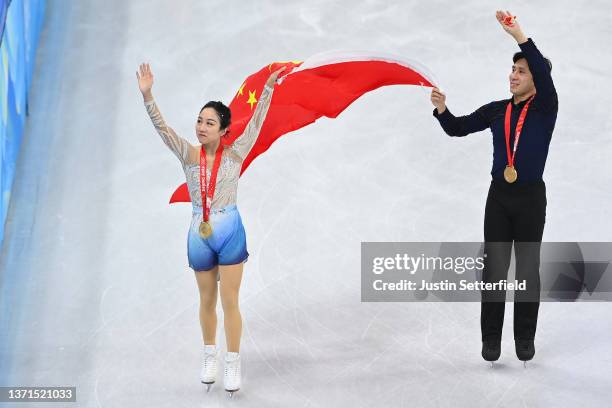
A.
x: 242, y: 146
x: 178, y: 145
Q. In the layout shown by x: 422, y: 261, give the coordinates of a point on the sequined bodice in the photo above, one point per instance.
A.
x: 227, y: 180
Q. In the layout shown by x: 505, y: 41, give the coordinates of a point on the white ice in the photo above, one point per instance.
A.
x: 96, y: 292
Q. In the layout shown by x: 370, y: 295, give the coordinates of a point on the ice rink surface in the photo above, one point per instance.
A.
x: 95, y: 288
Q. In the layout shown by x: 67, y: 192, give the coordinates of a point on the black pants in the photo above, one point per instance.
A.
x: 514, y: 213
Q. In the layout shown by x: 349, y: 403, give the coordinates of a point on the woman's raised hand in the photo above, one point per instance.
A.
x: 274, y: 76
x: 145, y: 79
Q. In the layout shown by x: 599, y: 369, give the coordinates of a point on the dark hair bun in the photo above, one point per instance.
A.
x: 224, y: 113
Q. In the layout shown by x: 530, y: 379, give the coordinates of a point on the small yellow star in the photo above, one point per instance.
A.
x: 252, y: 99
x: 241, y: 88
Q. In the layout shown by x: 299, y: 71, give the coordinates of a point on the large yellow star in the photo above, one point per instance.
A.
x: 241, y: 88
x: 252, y: 99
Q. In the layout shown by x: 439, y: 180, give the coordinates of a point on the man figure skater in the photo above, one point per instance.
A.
x: 522, y: 128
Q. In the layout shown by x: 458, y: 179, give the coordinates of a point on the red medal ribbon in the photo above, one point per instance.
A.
x: 208, y: 190
x: 517, y: 132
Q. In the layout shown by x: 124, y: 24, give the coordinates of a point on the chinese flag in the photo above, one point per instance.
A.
x: 324, y: 85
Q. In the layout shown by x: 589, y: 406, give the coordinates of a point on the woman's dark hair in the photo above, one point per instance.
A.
x: 224, y: 113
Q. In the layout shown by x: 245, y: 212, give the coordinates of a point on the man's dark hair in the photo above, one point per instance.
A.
x: 224, y: 113
x: 520, y: 55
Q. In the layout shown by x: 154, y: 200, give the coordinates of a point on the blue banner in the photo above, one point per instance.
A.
x: 22, y: 21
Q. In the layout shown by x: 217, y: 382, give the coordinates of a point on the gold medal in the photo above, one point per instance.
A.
x: 205, y: 229
x: 510, y: 174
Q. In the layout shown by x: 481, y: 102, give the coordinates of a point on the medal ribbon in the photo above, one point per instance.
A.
x: 208, y: 190
x: 517, y: 132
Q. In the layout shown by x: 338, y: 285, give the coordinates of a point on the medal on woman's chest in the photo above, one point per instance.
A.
x: 207, y: 189
x: 510, y: 173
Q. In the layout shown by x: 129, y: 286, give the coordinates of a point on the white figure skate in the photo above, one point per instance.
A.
x: 232, y: 377
x: 208, y: 375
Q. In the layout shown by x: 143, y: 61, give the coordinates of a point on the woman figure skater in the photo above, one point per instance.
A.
x: 216, y: 242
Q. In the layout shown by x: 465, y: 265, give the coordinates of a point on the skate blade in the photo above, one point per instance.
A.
x: 231, y: 392
x: 208, y: 385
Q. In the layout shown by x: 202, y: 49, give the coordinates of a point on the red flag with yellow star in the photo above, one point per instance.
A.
x: 323, y: 85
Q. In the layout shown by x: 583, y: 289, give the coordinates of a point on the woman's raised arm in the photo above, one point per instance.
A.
x: 244, y: 143
x: 178, y: 145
